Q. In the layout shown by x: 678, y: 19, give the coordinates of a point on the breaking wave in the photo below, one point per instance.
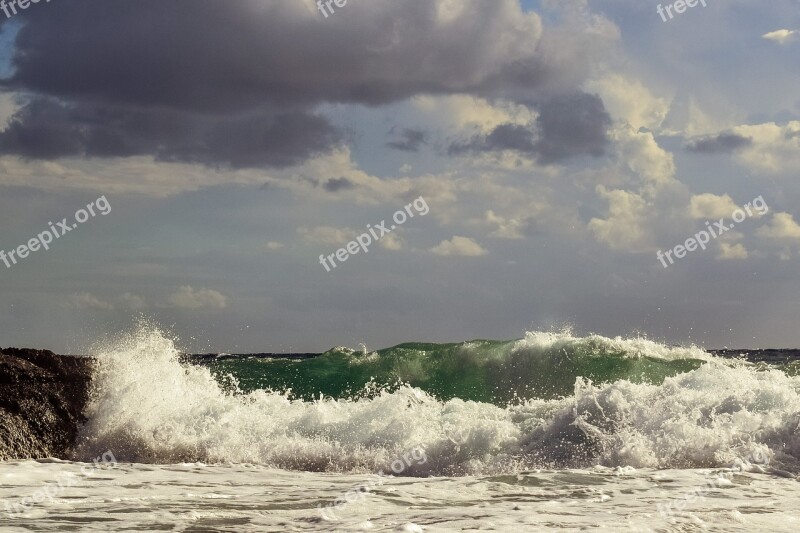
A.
x: 578, y: 402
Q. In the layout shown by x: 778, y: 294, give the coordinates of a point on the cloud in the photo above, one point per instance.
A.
x: 567, y: 126
x: 338, y: 237
x: 503, y: 137
x: 47, y: 129
x: 86, y: 300
x: 729, y: 251
x: 782, y: 228
x: 510, y: 137
x: 338, y: 184
x: 775, y: 148
x: 710, y: 206
x: 188, y: 298
x: 327, y: 235
x: 392, y: 242
x: 171, y: 83
x: 781, y: 36
x: 630, y: 100
x: 274, y: 245
x: 459, y: 246
x: 571, y: 125
x: 690, y: 115
x: 465, y: 114
x: 624, y: 226
x: 720, y: 143
x: 642, y: 159
x: 184, y: 49
x: 409, y: 140
x: 506, y: 228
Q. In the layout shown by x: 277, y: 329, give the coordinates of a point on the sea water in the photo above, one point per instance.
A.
x: 551, y: 432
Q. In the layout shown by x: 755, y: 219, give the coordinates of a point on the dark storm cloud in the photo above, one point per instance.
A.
x: 503, y: 137
x: 718, y: 144
x: 567, y: 126
x: 47, y: 129
x: 185, y: 71
x: 216, y: 55
x: 510, y: 137
x: 571, y: 125
x: 42, y: 130
x: 409, y: 140
x: 338, y: 184
x: 275, y: 140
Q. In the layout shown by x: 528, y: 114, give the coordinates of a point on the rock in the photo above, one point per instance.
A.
x: 42, y: 397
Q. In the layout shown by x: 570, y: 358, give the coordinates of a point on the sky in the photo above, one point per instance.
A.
x: 559, y: 147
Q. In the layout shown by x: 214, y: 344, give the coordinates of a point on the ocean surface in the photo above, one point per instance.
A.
x: 552, y: 432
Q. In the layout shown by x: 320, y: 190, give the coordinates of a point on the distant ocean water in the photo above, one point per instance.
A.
x: 551, y: 432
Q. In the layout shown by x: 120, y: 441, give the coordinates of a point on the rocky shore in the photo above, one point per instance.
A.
x: 42, y: 396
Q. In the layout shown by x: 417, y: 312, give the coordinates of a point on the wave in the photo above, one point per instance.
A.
x: 542, y: 365
x: 147, y: 407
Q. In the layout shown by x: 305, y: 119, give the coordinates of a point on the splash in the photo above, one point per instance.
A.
x: 542, y: 365
x: 148, y: 407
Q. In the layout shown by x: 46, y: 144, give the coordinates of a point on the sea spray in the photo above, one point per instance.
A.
x: 148, y: 407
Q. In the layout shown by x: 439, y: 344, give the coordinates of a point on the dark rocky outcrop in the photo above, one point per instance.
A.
x: 42, y: 396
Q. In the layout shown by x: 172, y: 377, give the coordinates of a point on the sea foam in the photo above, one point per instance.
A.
x: 148, y: 407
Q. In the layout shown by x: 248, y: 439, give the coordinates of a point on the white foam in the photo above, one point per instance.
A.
x: 138, y: 497
x: 565, y: 342
x: 148, y: 408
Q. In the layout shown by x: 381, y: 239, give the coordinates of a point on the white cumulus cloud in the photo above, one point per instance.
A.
x: 459, y: 246
x: 781, y: 36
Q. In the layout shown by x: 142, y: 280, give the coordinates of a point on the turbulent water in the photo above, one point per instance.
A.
x: 532, y: 433
x: 540, y: 366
